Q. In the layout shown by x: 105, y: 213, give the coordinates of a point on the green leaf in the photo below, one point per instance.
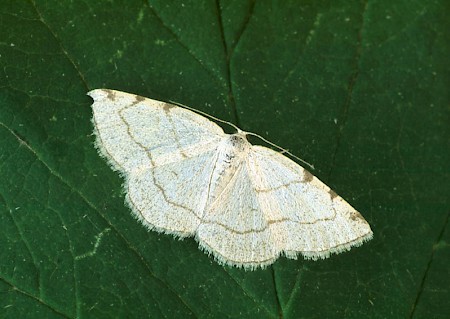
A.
x: 358, y: 88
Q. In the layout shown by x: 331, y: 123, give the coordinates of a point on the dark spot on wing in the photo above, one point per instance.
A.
x: 139, y: 98
x: 355, y: 216
x: 307, y: 177
x: 167, y: 107
x: 111, y: 94
x: 332, y: 194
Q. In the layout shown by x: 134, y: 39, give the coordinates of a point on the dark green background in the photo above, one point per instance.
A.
x: 358, y: 88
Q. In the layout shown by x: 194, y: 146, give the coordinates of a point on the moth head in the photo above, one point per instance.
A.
x: 238, y: 142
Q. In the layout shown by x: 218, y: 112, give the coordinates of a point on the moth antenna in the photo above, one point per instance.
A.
x: 206, y: 115
x: 283, y: 150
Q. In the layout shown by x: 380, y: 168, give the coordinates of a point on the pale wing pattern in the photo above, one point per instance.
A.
x: 234, y: 228
x: 170, y: 198
x: 135, y: 133
x: 311, y: 218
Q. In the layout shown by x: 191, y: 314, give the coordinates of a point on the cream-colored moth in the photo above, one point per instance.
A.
x: 244, y: 204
